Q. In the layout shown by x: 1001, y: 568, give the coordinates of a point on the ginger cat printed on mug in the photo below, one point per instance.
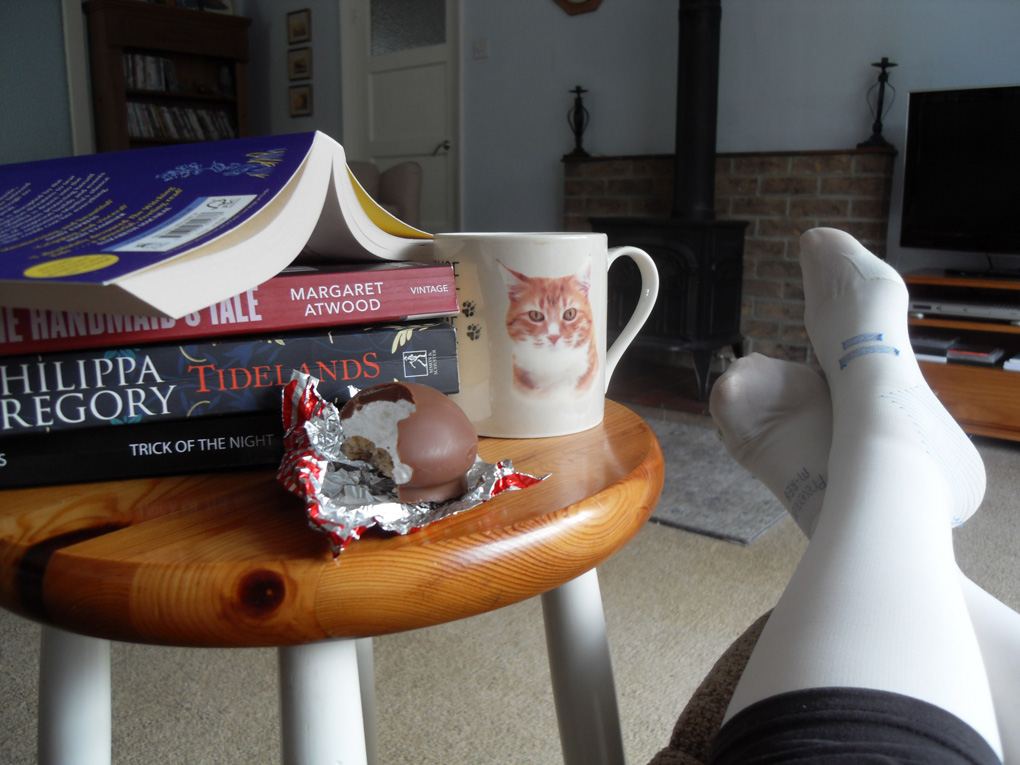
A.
x: 552, y: 333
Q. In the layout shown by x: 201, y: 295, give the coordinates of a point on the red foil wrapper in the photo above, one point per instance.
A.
x: 345, y: 497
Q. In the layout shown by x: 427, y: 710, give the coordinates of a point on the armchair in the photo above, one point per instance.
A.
x: 397, y: 189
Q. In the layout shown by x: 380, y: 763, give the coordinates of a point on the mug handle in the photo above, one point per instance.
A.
x: 646, y: 301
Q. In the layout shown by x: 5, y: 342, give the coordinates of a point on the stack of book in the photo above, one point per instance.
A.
x: 156, y: 302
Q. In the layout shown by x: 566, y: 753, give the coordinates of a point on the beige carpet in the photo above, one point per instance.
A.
x: 477, y: 691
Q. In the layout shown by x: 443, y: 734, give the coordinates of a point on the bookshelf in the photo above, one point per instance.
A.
x: 985, y: 401
x: 163, y: 74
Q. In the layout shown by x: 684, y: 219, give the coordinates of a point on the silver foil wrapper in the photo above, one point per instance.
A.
x: 345, y: 497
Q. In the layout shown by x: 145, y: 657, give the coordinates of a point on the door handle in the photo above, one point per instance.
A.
x: 444, y: 145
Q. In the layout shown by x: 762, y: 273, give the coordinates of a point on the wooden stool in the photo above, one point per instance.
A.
x: 229, y: 560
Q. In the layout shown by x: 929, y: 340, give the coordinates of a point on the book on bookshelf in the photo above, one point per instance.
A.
x: 149, y: 72
x: 169, y: 381
x: 193, y: 445
x: 167, y: 231
x: 300, y: 297
x: 181, y: 123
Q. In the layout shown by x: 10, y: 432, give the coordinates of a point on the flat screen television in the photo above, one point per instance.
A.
x: 961, y: 174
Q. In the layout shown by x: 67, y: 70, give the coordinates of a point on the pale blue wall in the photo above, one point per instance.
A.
x: 34, y: 111
x: 268, y: 43
x: 793, y: 75
x: 515, y: 101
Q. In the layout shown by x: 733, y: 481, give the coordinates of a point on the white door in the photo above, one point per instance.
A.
x: 401, y: 94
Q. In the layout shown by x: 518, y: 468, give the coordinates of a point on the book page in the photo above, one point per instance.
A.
x: 350, y: 214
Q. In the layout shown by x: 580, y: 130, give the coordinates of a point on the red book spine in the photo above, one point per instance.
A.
x: 298, y: 298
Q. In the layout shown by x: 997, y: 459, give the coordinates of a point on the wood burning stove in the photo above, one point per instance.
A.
x: 701, y: 277
x: 700, y: 259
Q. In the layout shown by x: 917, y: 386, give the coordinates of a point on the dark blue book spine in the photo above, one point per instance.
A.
x: 90, y: 388
x: 171, y: 447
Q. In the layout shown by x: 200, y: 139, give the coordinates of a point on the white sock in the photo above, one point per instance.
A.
x: 876, y: 601
x: 856, y: 315
x: 998, y: 633
x: 775, y: 418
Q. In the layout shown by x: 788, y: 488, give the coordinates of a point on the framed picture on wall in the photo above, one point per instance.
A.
x: 299, y: 63
x: 299, y: 26
x: 301, y: 101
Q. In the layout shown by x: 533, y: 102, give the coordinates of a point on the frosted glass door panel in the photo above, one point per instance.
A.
x: 400, y: 95
x: 404, y: 24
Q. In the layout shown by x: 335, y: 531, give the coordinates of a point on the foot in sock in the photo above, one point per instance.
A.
x: 775, y: 418
x: 875, y: 601
x: 856, y: 317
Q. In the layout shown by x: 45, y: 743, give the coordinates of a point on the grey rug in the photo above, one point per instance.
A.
x: 706, y: 491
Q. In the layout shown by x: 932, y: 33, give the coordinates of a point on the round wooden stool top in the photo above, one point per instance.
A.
x: 229, y: 559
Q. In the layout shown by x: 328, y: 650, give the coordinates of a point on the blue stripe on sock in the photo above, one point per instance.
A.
x: 869, y: 337
x: 867, y: 350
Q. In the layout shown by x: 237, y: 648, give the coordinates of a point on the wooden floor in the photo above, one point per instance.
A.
x: 637, y: 381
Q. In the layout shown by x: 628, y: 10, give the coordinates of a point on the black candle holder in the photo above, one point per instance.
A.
x: 578, y: 118
x: 876, y: 141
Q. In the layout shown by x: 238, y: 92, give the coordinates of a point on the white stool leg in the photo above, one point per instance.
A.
x: 582, y: 673
x: 320, y: 704
x: 75, y: 721
x: 366, y: 678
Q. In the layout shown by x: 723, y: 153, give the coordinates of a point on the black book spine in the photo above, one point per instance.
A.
x: 162, y: 382
x: 170, y: 447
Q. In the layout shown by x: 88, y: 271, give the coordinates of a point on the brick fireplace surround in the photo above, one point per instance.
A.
x: 781, y: 194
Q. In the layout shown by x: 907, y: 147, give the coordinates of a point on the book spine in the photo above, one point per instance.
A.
x: 300, y: 300
x: 81, y: 389
x: 198, y: 444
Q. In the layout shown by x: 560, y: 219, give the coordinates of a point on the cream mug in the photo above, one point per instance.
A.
x: 531, y: 332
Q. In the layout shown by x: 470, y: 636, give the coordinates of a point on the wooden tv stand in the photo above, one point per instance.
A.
x: 985, y: 401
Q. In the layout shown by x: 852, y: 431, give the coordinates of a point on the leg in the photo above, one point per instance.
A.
x: 320, y: 704
x: 582, y: 674
x: 998, y: 633
x: 702, y: 359
x: 775, y: 418
x: 876, y: 602
x: 75, y: 721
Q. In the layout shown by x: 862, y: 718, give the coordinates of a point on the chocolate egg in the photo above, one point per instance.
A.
x: 415, y: 435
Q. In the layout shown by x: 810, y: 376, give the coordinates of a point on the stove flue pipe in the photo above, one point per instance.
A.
x: 696, y: 110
